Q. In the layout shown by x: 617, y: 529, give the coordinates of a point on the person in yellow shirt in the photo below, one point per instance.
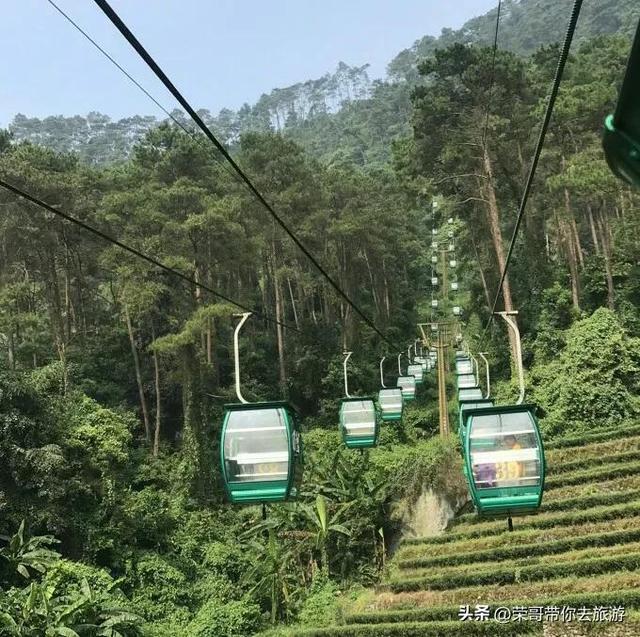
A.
x: 513, y: 469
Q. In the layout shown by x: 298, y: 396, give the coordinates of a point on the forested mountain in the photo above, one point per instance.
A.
x: 114, y: 372
x: 342, y: 116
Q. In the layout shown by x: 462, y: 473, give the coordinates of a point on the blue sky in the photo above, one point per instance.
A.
x: 220, y: 53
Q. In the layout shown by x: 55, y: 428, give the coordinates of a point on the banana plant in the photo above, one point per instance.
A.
x: 323, y: 526
x: 26, y: 554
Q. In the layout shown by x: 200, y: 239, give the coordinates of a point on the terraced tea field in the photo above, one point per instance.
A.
x: 581, y: 551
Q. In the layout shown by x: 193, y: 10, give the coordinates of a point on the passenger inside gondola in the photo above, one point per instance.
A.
x: 504, y: 452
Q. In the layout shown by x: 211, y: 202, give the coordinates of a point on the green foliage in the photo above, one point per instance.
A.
x: 320, y: 608
x: 593, y: 382
x: 235, y: 618
x: 62, y: 598
x: 98, y: 349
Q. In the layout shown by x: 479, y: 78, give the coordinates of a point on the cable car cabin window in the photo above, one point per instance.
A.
x: 466, y: 380
x: 464, y: 367
x: 408, y: 386
x: 504, y: 451
x: 471, y: 404
x: 470, y: 393
x: 390, y: 400
x: 256, y: 446
x: 358, y: 418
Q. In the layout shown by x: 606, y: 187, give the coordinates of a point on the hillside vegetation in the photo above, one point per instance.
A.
x: 114, y: 374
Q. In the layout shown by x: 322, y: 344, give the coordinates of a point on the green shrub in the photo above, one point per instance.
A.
x: 236, y: 618
x: 320, y: 608
x: 160, y: 590
x: 593, y: 382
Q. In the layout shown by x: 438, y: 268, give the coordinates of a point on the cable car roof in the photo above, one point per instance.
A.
x: 267, y: 404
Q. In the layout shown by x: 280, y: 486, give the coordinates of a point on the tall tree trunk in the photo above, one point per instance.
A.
x: 279, y: 315
x: 387, y: 301
x: 195, y: 418
x: 493, y: 217
x: 293, y: 303
x: 565, y: 232
x: 483, y: 279
x: 209, y: 342
x: 592, y: 226
x: 373, y: 285
x: 606, y: 251
x: 11, y: 349
x: 136, y: 363
x: 156, y: 370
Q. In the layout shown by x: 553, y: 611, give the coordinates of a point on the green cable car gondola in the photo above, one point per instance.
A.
x: 408, y: 386
x: 390, y: 399
x: 391, y: 403
x: 465, y: 381
x: 261, y: 452
x: 358, y: 417
x: 417, y: 371
x: 358, y: 422
x: 504, y: 460
x: 469, y: 393
x: 461, y: 354
x: 260, y: 447
x: 621, y: 139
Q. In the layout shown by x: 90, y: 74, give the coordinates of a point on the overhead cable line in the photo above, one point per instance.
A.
x: 137, y: 253
x: 492, y: 76
x: 562, y: 60
x: 135, y: 82
x: 161, y: 75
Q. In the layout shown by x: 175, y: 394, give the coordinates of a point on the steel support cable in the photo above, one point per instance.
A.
x: 562, y: 60
x: 160, y: 74
x: 137, y: 253
x: 492, y: 76
x: 135, y: 82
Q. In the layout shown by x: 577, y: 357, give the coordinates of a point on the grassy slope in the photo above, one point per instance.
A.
x: 582, y: 549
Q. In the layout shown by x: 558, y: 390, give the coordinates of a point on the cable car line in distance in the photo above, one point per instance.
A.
x: 564, y: 54
x: 141, y: 255
x: 160, y: 74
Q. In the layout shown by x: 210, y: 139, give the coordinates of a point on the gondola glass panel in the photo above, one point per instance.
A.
x: 408, y: 386
x: 358, y: 422
x: 391, y: 403
x: 469, y: 393
x: 466, y: 380
x: 416, y: 370
x: 504, y: 460
x: 466, y: 405
x: 261, y: 452
x: 464, y: 366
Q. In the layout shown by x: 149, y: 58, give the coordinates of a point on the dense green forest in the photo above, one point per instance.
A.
x: 113, y: 375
